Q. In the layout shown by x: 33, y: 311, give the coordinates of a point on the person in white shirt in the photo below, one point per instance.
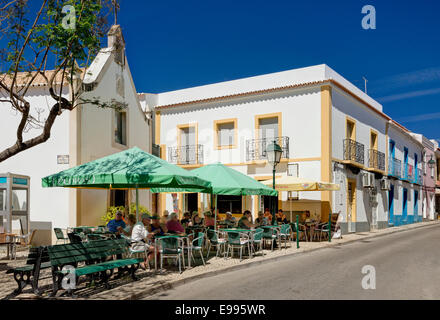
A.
x: 140, y: 233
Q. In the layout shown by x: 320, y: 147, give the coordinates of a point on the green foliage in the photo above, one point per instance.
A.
x: 66, y: 46
x: 111, y: 212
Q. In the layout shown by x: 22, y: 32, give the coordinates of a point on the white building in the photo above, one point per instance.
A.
x: 82, y: 135
x: 329, y: 130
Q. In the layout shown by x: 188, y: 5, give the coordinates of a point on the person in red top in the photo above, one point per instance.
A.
x: 268, y: 215
x: 173, y: 224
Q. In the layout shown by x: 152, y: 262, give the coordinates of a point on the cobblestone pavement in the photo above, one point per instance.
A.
x: 151, y: 282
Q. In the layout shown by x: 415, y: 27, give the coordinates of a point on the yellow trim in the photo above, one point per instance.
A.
x: 184, y: 126
x: 262, y: 178
x: 353, y: 215
x: 375, y: 145
x: 216, y: 125
x: 387, y: 146
x: 157, y: 128
x: 326, y: 149
x: 353, y: 133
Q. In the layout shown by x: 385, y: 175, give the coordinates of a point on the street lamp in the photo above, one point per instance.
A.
x: 274, y: 153
x: 431, y: 163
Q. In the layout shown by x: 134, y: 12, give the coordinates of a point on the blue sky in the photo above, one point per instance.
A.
x: 178, y: 44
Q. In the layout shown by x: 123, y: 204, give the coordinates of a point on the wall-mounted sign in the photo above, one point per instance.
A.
x: 63, y: 159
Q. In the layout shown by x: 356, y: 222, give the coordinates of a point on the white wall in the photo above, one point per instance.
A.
x: 46, y: 204
x: 97, y: 135
x: 301, y: 122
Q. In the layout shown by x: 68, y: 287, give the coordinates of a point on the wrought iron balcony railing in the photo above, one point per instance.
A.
x: 256, y: 148
x: 354, y: 151
x: 189, y: 154
x: 408, y: 173
x: 395, y: 167
x: 376, y: 159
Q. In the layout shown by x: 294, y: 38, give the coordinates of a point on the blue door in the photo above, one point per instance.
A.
x: 416, y: 206
x: 405, y: 206
x: 391, y: 205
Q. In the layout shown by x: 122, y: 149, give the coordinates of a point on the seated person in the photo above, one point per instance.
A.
x: 209, y: 220
x: 196, y: 220
x: 230, y: 219
x: 268, y: 215
x: 140, y: 233
x: 261, y: 220
x: 186, y: 219
x: 156, y: 228
x: 281, y: 217
x: 131, y: 221
x: 245, y: 221
x: 173, y: 224
x: 164, y: 218
x: 113, y: 224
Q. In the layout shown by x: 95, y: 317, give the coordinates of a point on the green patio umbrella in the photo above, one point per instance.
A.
x: 129, y: 169
x: 227, y: 181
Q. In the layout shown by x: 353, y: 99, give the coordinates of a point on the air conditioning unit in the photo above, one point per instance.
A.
x: 368, y: 180
x: 385, y: 184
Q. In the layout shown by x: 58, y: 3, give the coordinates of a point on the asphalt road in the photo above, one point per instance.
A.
x: 407, y: 266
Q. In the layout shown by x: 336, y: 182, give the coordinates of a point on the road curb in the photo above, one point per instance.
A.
x: 172, y: 284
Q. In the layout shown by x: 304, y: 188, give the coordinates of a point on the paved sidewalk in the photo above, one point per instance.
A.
x: 151, y: 283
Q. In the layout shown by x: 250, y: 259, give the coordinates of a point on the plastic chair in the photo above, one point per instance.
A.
x: 257, y: 239
x: 271, y: 234
x: 60, y: 235
x: 171, y: 247
x: 238, y: 240
x: 196, y: 245
x: 285, y: 234
x: 217, y: 239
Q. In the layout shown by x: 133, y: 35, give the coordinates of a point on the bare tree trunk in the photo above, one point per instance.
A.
x: 21, y: 146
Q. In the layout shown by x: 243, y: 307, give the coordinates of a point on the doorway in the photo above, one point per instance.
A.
x: 192, y: 202
x: 416, y: 206
x: 351, y: 205
x: 391, y: 205
x: 405, y: 206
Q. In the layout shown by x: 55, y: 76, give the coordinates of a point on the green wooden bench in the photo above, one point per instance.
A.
x: 37, y: 260
x: 91, y: 259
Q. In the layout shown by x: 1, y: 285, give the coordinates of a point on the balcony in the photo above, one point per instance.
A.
x: 395, y: 168
x: 376, y: 160
x: 408, y: 173
x: 189, y: 154
x: 354, y: 152
x: 256, y: 148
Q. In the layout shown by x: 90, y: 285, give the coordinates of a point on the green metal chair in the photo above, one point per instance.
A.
x: 271, y: 234
x: 238, y: 240
x: 257, y: 239
x: 285, y: 234
x: 196, y: 245
x: 60, y: 235
x: 171, y: 247
x: 217, y: 239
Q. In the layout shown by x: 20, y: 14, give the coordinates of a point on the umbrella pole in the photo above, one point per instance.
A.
x: 137, y: 204
x: 215, y: 215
